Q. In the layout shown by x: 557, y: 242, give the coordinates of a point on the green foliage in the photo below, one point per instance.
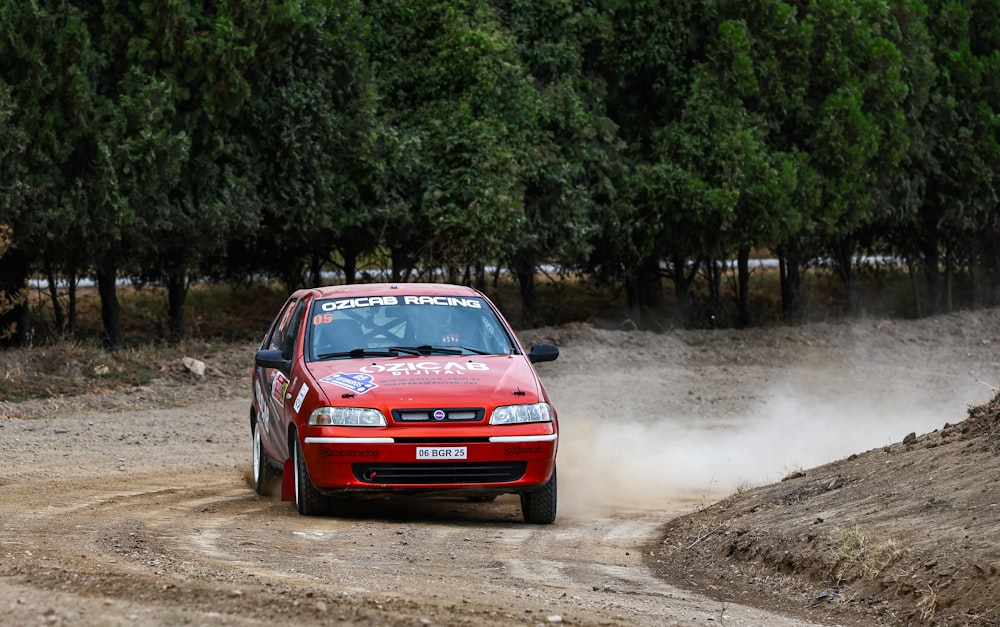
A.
x: 571, y: 145
x: 311, y: 121
x: 50, y: 112
x: 628, y: 141
x: 459, y: 112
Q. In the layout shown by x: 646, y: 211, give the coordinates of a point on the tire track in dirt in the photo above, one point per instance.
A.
x: 171, y: 546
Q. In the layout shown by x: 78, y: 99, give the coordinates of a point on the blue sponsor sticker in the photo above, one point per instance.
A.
x: 356, y: 382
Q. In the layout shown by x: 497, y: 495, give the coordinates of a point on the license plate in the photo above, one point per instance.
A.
x: 441, y: 453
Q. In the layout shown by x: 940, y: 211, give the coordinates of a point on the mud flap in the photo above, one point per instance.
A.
x: 288, y: 481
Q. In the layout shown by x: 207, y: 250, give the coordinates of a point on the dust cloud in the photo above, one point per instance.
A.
x: 680, y: 461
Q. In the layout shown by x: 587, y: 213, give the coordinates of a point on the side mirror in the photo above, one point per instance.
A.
x: 272, y: 358
x: 543, y: 352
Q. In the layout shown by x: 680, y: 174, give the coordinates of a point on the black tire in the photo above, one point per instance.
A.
x: 538, y: 507
x: 308, y: 500
x: 265, y: 476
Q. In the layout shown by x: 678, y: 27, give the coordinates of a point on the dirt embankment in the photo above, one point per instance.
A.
x: 903, y: 534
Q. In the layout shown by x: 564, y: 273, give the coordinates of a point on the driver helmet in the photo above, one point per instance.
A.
x: 436, y: 327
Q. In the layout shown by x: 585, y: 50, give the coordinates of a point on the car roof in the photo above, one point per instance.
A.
x: 390, y: 289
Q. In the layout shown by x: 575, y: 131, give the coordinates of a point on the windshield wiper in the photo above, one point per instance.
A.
x: 475, y: 350
x: 394, y: 351
x: 357, y: 353
x: 427, y: 349
x: 409, y: 350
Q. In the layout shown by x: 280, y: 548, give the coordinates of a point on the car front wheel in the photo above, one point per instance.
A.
x: 264, y: 474
x: 539, y: 506
x: 308, y: 500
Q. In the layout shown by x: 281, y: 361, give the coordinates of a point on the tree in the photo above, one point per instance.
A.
x: 184, y: 167
x: 311, y: 115
x: 49, y: 109
x: 12, y: 175
x: 729, y: 191
x: 646, y: 63
x: 457, y: 113
x: 962, y: 152
x: 572, y: 145
x: 831, y: 100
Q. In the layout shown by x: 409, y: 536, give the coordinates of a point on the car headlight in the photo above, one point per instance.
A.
x: 520, y: 414
x: 347, y: 416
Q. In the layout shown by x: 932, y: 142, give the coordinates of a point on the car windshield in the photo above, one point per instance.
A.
x: 382, y: 326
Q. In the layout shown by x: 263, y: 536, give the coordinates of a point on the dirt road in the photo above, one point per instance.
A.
x: 135, y: 508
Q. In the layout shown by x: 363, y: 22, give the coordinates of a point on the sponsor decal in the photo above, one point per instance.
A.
x: 378, y: 301
x: 521, y: 449
x: 356, y: 382
x: 278, y: 386
x: 443, y: 301
x: 426, y: 367
x: 352, y: 453
x: 265, y: 413
x: 300, y: 397
x: 354, y: 303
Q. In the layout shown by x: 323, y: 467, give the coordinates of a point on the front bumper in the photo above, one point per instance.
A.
x: 472, y: 461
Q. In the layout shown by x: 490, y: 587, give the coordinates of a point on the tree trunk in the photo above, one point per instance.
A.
x: 15, y: 315
x: 71, y: 318
x: 932, y: 275
x: 714, y: 271
x: 350, y: 268
x: 743, y: 288
x: 58, y: 318
x: 792, y: 300
x: 682, y: 290
x: 994, y: 244
x: 524, y: 272
x: 975, y: 276
x: 176, y: 295
x: 649, y: 286
x: 350, y: 254
x: 949, y: 273
x: 107, y: 288
x: 315, y: 270
x: 632, y: 299
x: 401, y: 265
x: 845, y: 265
x: 480, y: 282
x: 911, y: 271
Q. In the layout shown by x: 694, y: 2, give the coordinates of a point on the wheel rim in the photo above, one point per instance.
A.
x: 257, y: 459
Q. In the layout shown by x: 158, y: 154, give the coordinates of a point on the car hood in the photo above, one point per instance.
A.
x: 411, y: 382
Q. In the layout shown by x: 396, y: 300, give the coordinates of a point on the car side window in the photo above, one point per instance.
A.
x: 291, y: 330
x: 273, y: 338
x: 282, y: 334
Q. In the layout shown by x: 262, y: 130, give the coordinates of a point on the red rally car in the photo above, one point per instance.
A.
x: 410, y: 388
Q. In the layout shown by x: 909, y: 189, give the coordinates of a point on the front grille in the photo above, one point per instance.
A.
x: 440, y: 473
x: 453, y: 414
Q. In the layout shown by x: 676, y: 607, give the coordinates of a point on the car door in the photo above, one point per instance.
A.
x: 271, y: 386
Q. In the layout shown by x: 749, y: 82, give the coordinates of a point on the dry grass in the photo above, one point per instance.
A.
x: 62, y: 364
x: 211, y: 312
x: 68, y: 368
x: 216, y: 316
x: 927, y: 604
x: 858, y: 555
